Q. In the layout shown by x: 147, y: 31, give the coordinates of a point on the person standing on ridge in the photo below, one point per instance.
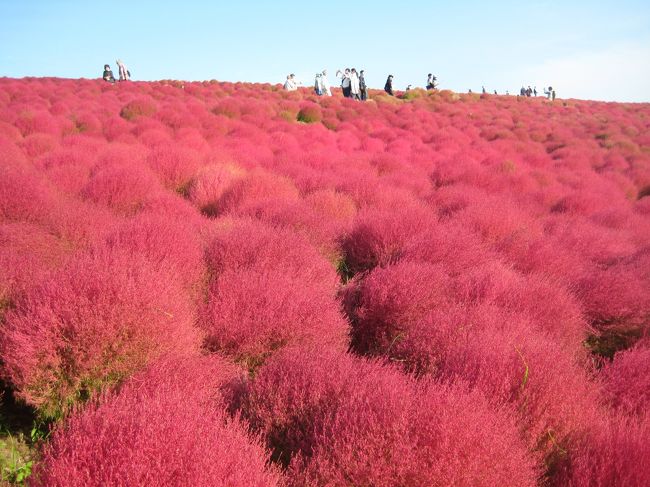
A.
x: 325, y: 83
x: 318, y: 85
x: 362, y: 86
x: 108, y: 74
x: 124, y: 73
x: 431, y: 82
x: 355, y: 88
x: 345, y: 81
x: 388, y: 87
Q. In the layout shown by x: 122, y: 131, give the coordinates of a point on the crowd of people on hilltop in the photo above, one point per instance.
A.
x: 124, y: 73
x: 354, y: 86
x: 528, y: 92
x: 353, y: 83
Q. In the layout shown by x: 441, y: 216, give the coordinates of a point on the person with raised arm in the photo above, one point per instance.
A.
x: 124, y: 73
x: 345, y: 81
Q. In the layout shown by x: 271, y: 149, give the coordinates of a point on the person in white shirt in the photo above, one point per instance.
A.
x: 355, y: 91
x: 318, y: 84
x: 325, y: 84
x: 345, y: 81
x: 290, y: 84
x: 124, y: 73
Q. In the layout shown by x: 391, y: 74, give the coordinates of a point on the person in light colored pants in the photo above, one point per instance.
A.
x: 325, y: 83
x: 124, y: 73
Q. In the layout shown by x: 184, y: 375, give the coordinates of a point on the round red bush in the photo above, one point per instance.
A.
x: 166, y: 426
x: 93, y: 323
x: 310, y: 113
x: 337, y: 420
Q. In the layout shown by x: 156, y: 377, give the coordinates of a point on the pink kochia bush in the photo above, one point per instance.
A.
x: 170, y: 244
x: 379, y: 238
x: 493, y: 251
x: 614, y: 451
x: 27, y: 253
x: 338, y: 420
x: 626, y: 381
x: 209, y: 184
x: 270, y: 289
x: 462, y: 330
x: 121, y: 187
x: 167, y: 426
x: 93, y: 323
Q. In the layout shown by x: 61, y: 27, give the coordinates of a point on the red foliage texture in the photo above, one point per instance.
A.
x: 429, y: 289
x: 168, y: 425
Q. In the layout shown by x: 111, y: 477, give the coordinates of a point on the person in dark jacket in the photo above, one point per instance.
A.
x: 108, y: 74
x: 388, y: 87
x: 431, y: 82
x: 362, y: 85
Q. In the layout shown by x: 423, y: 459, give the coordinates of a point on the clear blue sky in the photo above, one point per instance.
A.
x: 584, y: 49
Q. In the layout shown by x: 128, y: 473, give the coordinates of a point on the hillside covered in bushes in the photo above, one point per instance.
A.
x: 219, y: 284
